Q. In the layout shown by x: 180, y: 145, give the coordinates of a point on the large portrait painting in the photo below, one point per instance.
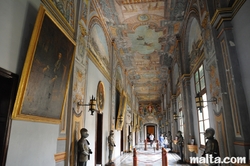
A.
x: 45, y: 78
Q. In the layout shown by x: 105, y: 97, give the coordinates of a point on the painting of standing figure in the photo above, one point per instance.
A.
x: 45, y: 78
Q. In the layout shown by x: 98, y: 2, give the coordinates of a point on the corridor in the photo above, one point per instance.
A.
x: 147, y: 158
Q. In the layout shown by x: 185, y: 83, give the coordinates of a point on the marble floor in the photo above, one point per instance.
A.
x: 147, y: 158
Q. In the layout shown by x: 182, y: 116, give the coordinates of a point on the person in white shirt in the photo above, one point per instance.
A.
x: 154, y: 145
x: 151, y: 137
x: 165, y: 142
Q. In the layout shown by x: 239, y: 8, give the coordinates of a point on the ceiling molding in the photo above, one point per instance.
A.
x: 226, y: 14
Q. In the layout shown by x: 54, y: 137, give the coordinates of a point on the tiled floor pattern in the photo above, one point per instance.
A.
x: 147, y: 158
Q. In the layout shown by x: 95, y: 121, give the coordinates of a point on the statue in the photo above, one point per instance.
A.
x: 111, y: 144
x: 129, y: 142
x: 169, y: 137
x: 83, y: 148
x: 212, y: 146
x: 180, y: 145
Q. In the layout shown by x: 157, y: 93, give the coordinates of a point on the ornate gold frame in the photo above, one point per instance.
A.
x: 47, y: 68
x: 100, y: 96
x: 121, y: 112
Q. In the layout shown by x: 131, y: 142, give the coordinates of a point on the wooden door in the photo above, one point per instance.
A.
x: 150, y: 130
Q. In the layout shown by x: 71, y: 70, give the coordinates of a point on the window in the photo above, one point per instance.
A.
x: 180, y: 114
x: 181, y: 122
x: 203, y: 117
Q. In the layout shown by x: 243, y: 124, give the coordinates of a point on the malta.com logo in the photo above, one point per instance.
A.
x: 209, y: 159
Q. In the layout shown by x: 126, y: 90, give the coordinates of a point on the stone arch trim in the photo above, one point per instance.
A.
x: 193, y: 14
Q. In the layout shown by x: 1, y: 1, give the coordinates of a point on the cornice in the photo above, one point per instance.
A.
x: 226, y: 14
x: 50, y: 6
x: 185, y: 76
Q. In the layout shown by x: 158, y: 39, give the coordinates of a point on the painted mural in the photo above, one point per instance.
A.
x: 79, y: 88
x: 84, y: 11
x: 194, y: 42
x: 145, y: 39
x: 67, y: 9
x: 129, y: 94
x: 99, y: 46
x: 81, y: 50
x: 194, y: 35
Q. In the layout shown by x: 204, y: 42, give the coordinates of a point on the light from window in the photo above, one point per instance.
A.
x: 203, y: 116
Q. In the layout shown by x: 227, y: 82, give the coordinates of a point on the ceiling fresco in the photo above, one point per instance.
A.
x: 145, y: 34
x: 145, y: 40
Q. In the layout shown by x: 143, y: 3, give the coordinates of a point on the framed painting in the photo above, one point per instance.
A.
x: 46, y: 73
x: 121, y: 111
x: 100, y: 96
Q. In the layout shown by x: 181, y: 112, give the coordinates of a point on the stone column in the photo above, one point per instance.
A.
x: 188, y: 114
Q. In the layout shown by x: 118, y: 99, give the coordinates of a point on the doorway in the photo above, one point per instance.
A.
x: 98, y: 147
x: 121, y: 142
x: 8, y: 89
x: 150, y: 130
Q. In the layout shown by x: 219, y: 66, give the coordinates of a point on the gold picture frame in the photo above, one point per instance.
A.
x: 121, y: 111
x: 46, y: 73
x: 100, y: 96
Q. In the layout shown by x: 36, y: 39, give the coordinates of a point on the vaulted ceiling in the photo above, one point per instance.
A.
x: 145, y: 35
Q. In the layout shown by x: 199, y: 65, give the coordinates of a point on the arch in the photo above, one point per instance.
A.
x: 99, y: 43
x: 175, y: 76
x: 193, y: 22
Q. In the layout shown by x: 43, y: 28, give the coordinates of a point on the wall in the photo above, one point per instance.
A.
x: 17, y: 20
x: 241, y: 26
x: 30, y: 143
x: 94, y: 76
